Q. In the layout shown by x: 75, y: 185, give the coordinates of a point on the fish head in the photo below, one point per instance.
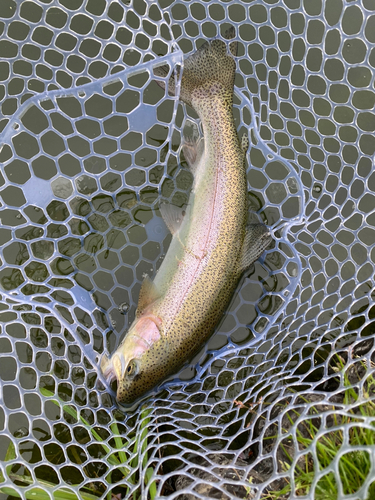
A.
x: 138, y: 362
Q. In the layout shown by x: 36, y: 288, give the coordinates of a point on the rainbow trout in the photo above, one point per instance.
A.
x: 211, y: 246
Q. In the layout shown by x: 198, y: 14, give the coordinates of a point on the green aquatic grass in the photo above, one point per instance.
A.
x: 121, y: 453
x: 354, y: 466
x: 40, y: 494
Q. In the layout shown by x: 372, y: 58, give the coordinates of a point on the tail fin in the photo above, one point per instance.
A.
x: 211, y: 63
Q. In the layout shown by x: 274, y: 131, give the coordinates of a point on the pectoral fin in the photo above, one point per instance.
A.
x: 148, y: 294
x: 257, y: 239
x: 172, y: 216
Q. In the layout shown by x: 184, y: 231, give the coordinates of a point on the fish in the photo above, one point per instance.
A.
x: 212, y: 243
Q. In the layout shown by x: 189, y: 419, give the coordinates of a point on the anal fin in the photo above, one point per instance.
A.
x: 257, y: 239
x: 193, y: 150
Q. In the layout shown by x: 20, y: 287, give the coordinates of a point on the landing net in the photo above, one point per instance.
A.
x: 281, y: 398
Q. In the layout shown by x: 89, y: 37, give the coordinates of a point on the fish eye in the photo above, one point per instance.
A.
x: 131, y: 369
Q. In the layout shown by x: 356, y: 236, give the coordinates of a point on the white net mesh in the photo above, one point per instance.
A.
x: 91, y: 144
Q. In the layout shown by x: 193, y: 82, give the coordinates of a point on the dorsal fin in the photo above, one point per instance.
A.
x: 147, y: 295
x: 257, y: 239
x: 172, y: 216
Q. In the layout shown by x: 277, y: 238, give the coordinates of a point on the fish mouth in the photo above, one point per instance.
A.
x: 118, y: 371
x: 109, y: 372
x: 112, y: 381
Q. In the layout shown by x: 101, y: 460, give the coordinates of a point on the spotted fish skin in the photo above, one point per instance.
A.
x: 211, y: 244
